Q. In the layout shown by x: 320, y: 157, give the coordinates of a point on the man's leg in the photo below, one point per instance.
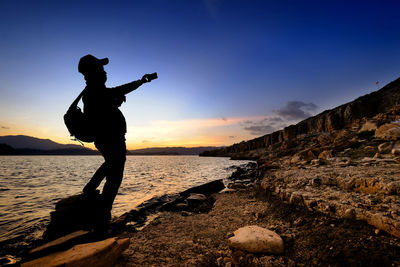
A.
x: 115, y: 158
x: 96, y: 180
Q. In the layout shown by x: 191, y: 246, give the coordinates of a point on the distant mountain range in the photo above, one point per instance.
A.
x: 29, y: 142
x: 28, y: 145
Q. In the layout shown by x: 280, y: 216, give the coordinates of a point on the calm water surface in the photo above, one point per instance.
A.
x: 31, y: 185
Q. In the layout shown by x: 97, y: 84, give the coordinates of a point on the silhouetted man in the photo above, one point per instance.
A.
x: 109, y: 126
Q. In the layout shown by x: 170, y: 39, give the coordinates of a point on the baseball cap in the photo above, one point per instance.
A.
x: 88, y: 63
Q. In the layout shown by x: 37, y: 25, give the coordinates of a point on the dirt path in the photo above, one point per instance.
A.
x: 311, y: 238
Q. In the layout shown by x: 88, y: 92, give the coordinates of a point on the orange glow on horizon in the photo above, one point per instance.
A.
x: 209, y: 141
x: 163, y: 133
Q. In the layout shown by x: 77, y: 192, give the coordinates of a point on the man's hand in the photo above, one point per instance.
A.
x: 146, y: 78
x: 149, y: 77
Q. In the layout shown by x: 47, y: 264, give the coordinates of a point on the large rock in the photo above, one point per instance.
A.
x: 256, y: 239
x: 59, y: 244
x: 101, y: 253
x: 205, y: 189
x: 368, y: 126
x: 305, y: 155
x: 343, y: 139
x: 79, y: 212
x: 389, y: 131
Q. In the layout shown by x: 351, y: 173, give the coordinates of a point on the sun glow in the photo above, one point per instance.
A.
x: 158, y: 133
x: 188, y: 133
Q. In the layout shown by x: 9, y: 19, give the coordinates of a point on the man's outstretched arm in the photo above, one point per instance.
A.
x: 129, y: 87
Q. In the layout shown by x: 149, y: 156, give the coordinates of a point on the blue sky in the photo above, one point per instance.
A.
x: 228, y: 70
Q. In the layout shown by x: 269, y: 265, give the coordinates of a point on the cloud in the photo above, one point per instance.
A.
x: 265, y: 125
x: 272, y: 120
x: 295, y: 110
x: 282, y: 117
x: 224, y: 119
x: 232, y: 136
x: 259, y: 129
x: 247, y: 122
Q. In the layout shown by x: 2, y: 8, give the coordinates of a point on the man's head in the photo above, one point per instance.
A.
x: 92, y: 68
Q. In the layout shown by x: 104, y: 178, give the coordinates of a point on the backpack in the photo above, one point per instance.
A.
x: 77, y: 123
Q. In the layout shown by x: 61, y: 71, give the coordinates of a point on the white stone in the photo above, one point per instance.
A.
x: 256, y: 239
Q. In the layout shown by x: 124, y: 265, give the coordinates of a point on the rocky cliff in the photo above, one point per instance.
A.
x: 343, y: 162
x: 344, y: 116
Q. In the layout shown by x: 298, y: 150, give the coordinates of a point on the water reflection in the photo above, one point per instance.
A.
x: 31, y: 185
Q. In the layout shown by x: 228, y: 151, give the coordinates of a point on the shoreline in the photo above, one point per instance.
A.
x: 19, y: 246
x: 311, y: 238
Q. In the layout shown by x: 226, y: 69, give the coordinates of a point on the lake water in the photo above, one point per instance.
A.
x: 31, y: 185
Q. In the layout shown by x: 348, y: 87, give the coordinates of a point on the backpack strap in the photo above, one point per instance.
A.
x: 75, y: 103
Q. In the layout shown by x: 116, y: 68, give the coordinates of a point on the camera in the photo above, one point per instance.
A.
x: 152, y: 76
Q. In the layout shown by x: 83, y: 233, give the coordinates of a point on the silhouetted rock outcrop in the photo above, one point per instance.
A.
x: 78, y: 212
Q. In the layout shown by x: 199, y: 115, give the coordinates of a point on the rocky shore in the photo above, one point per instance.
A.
x: 335, y: 211
x: 311, y: 238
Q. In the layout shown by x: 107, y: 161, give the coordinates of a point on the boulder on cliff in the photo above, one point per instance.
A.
x: 389, y: 131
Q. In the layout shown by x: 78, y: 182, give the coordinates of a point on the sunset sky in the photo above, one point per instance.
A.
x: 228, y: 70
